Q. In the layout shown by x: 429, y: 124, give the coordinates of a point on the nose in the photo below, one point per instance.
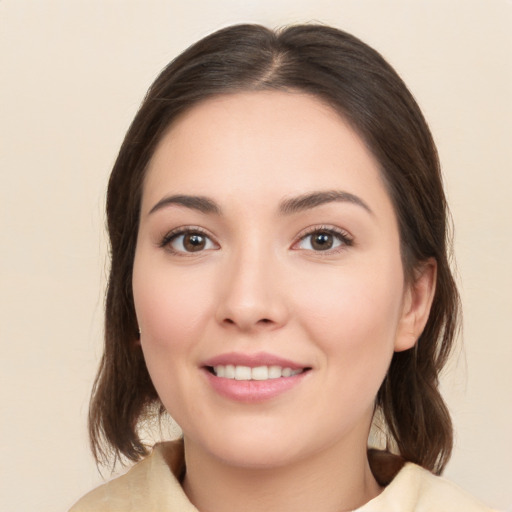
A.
x: 252, y: 297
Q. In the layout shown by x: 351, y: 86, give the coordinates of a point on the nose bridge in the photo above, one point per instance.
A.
x: 251, y: 296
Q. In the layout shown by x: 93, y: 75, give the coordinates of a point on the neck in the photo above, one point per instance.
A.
x: 328, y: 481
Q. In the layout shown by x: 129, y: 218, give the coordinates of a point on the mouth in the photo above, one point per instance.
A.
x: 253, y: 378
x: 257, y: 373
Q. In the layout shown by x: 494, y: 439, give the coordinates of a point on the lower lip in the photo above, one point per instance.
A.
x: 253, y: 390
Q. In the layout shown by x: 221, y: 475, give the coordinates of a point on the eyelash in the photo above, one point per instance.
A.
x: 172, y: 235
x: 341, y: 235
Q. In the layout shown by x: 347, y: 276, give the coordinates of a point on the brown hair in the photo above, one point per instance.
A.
x: 357, y: 82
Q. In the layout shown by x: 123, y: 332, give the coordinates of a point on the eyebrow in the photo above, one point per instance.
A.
x: 313, y: 199
x: 287, y: 207
x: 200, y: 203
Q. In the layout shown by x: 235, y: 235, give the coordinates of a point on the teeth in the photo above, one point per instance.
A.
x: 230, y: 371
x: 259, y: 373
x: 287, y: 372
x: 274, y: 372
x: 242, y: 373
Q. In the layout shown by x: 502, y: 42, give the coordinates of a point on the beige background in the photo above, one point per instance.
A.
x: 72, y: 74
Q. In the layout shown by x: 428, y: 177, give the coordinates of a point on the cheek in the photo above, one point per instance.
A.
x: 355, y: 317
x: 169, y: 304
x: 172, y: 309
x: 354, y: 325
x: 353, y: 303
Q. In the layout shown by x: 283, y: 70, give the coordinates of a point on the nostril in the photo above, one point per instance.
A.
x: 246, y: 322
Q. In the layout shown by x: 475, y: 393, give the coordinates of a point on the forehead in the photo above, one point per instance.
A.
x: 261, y: 142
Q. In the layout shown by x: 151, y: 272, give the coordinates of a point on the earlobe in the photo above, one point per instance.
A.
x: 417, y: 302
x: 137, y: 339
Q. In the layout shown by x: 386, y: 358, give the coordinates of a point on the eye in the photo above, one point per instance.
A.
x: 323, y: 240
x: 188, y: 241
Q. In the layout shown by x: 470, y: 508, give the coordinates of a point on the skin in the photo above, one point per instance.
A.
x: 259, y: 285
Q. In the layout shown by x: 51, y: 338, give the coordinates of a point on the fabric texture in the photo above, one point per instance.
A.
x: 153, y: 485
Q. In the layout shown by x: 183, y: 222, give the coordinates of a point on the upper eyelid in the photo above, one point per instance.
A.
x: 346, y: 238
x: 188, y: 229
x: 323, y: 227
x: 183, y: 230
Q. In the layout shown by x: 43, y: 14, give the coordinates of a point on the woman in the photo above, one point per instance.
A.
x: 279, y: 284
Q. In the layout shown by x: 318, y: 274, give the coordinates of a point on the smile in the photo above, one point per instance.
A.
x: 253, y: 378
x: 239, y: 372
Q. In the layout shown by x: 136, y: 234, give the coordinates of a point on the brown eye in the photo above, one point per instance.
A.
x: 194, y: 242
x: 188, y: 241
x: 322, y: 241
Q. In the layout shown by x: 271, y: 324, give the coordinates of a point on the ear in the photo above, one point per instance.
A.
x: 417, y: 301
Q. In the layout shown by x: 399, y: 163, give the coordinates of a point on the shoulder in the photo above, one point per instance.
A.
x: 124, y: 493
x: 114, y: 495
x: 439, y: 494
x: 414, y: 489
x: 150, y: 485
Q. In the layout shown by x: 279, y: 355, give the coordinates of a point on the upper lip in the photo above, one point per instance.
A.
x: 252, y: 360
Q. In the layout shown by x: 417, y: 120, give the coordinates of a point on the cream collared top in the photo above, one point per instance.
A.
x: 152, y: 486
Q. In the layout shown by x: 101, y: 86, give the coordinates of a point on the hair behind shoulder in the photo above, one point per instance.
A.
x: 358, y: 83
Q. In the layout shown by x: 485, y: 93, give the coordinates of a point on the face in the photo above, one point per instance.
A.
x: 268, y: 281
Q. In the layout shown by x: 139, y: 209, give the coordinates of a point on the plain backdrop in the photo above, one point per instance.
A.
x: 72, y: 74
